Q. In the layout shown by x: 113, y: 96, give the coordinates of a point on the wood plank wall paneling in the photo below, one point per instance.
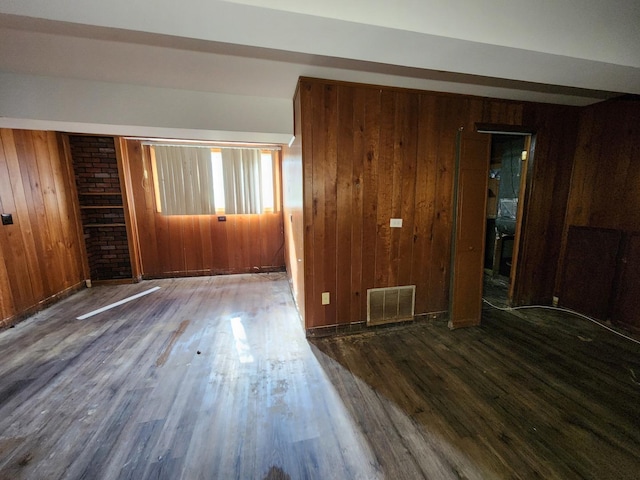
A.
x: 292, y: 199
x: 365, y: 246
x: 546, y: 195
x: 605, y: 189
x: 199, y: 244
x: 373, y: 153
x: 40, y: 254
x: 130, y: 218
x: 626, y: 300
x: 590, y: 270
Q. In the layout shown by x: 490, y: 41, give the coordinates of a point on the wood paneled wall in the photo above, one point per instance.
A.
x: 626, y: 300
x: 373, y: 153
x: 605, y: 188
x: 292, y: 200
x: 545, y: 198
x: 605, y: 191
x: 41, y: 253
x: 199, y: 244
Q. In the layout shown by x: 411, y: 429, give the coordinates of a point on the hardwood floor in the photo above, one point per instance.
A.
x: 211, y: 377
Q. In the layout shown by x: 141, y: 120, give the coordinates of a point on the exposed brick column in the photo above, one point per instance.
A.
x: 96, y: 171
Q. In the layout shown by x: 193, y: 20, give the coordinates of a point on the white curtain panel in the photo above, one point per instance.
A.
x: 185, y: 180
x: 242, y: 172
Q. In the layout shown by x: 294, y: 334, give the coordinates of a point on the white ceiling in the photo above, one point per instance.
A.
x: 227, y: 70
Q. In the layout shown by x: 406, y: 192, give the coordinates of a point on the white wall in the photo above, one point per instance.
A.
x: 228, y: 69
x: 48, y: 103
x: 581, y: 43
x: 600, y: 30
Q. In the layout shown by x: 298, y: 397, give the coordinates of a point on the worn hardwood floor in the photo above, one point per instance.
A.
x: 211, y: 377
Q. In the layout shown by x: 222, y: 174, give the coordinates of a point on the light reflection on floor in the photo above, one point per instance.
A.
x: 240, y: 336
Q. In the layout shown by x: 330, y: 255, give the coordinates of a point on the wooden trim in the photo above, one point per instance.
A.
x: 463, y: 324
x: 100, y: 194
x: 390, y: 88
x: 41, y: 305
x: 362, y: 327
x: 504, y: 129
x: 115, y: 281
x: 131, y: 224
x: 65, y: 150
x: 454, y: 220
x: 94, y: 225
x: 210, y: 273
x: 525, y: 180
x: 99, y: 207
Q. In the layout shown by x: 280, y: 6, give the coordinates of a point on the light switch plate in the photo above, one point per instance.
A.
x: 326, y: 298
x: 7, y: 219
x: 395, y: 223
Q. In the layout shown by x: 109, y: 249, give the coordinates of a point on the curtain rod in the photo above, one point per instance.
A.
x: 200, y: 144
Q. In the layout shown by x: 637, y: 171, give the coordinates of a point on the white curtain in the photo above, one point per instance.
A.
x: 242, y: 172
x: 185, y: 180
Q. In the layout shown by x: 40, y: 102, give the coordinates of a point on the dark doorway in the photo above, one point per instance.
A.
x: 506, y: 171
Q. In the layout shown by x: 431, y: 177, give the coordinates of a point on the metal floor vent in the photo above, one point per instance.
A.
x: 391, y: 304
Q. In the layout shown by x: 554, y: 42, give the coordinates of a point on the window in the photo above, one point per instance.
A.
x: 205, y: 181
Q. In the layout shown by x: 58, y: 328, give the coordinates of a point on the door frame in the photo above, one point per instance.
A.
x: 526, y: 181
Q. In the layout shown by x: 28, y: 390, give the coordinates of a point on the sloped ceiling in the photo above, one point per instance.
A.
x: 227, y: 70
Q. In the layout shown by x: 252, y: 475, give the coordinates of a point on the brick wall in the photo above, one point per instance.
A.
x: 98, y: 183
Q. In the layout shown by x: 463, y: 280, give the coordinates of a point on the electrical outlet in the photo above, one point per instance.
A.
x: 395, y: 223
x: 326, y: 299
x: 7, y: 219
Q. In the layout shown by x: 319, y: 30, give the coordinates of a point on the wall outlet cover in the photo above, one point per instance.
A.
x: 395, y: 223
x: 326, y: 298
x: 7, y: 219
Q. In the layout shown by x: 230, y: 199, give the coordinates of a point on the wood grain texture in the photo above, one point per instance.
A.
x: 605, y: 184
x: 589, y: 270
x: 208, y: 377
x: 545, y: 201
x: 605, y: 190
x: 133, y: 237
x: 395, y: 159
x: 626, y: 293
x: 526, y: 395
x: 367, y: 246
x: 468, y: 238
x: 344, y: 197
x: 40, y: 254
x: 178, y: 245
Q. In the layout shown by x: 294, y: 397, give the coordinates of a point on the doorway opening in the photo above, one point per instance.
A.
x: 507, y: 181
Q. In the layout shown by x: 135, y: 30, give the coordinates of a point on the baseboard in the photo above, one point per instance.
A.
x: 41, y: 305
x: 210, y: 273
x: 360, y: 327
x: 463, y: 324
x: 115, y: 281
